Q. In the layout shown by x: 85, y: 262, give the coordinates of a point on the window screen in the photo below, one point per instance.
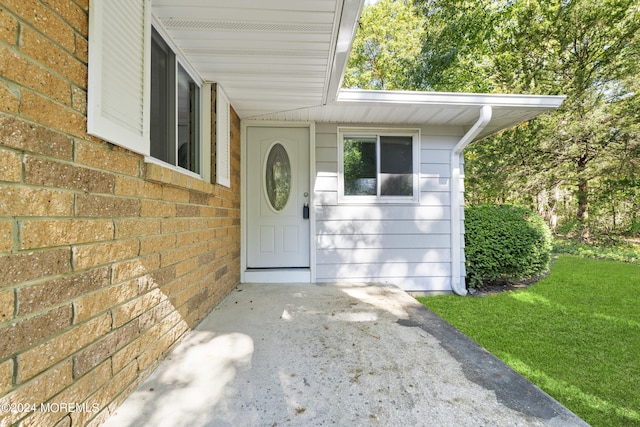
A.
x: 175, y: 109
x: 188, y: 113
x: 162, y: 100
x: 396, y: 166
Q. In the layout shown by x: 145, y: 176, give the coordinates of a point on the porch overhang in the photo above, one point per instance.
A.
x: 423, y: 108
x: 285, y: 60
x: 270, y: 56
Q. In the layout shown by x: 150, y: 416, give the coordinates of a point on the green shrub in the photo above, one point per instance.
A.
x: 505, y: 243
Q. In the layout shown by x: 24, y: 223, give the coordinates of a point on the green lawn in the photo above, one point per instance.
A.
x: 576, y: 334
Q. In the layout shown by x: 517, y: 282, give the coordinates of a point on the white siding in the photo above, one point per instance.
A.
x: 405, y: 244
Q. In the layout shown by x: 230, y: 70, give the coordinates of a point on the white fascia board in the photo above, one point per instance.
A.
x: 447, y: 98
x: 345, y: 26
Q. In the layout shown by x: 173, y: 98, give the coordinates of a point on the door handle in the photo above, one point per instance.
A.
x: 305, y: 211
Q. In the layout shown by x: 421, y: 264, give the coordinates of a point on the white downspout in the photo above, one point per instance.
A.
x: 457, y: 200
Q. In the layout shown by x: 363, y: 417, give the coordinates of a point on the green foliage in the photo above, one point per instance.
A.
x: 505, y: 242
x: 587, y: 152
x: 614, y: 250
x: 456, y: 48
x: 581, y: 161
x: 574, y: 334
x: 387, y: 47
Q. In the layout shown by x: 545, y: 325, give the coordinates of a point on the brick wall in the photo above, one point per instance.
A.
x: 105, y: 261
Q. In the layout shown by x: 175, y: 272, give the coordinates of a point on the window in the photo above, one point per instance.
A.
x: 141, y: 95
x: 175, y: 109
x: 378, y: 166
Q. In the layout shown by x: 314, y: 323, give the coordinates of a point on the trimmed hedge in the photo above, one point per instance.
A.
x: 505, y: 243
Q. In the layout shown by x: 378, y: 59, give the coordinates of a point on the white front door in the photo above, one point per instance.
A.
x: 277, y: 191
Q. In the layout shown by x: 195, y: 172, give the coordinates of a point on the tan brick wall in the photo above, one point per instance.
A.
x: 105, y: 261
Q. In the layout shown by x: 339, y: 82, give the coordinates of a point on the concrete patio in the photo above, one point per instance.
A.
x: 333, y: 354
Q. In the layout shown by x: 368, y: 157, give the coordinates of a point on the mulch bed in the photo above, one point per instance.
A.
x: 498, y: 286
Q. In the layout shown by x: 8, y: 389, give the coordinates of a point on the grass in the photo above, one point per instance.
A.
x: 575, y: 334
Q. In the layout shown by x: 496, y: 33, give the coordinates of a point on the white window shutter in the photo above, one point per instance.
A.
x: 223, y: 138
x: 119, y: 72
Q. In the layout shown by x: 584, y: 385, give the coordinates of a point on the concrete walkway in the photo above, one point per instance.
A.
x: 343, y: 355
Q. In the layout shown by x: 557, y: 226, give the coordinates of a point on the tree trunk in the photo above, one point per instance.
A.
x: 583, y: 210
x: 583, y: 201
x: 582, y: 213
x: 583, y: 188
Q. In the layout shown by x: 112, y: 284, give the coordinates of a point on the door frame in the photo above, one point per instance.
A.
x: 276, y: 275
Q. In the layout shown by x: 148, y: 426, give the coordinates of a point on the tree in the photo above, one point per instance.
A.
x: 386, y: 47
x: 586, y: 50
x: 456, y: 46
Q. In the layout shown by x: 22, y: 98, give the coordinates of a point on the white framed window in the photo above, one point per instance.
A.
x: 142, y: 95
x: 378, y: 165
x: 175, y: 108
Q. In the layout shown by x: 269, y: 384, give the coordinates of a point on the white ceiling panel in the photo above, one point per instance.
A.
x: 310, y: 5
x: 283, y: 60
x: 253, y: 48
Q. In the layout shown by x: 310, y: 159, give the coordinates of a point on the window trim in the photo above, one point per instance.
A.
x: 378, y: 132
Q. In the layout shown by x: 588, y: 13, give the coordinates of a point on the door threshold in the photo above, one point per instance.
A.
x: 277, y: 275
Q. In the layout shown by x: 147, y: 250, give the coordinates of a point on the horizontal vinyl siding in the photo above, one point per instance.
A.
x: 402, y: 227
x: 405, y: 244
x: 382, y: 241
x: 383, y: 212
x: 401, y: 274
x: 364, y: 255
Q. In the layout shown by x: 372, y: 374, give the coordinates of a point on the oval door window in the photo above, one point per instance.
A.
x: 277, y: 177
